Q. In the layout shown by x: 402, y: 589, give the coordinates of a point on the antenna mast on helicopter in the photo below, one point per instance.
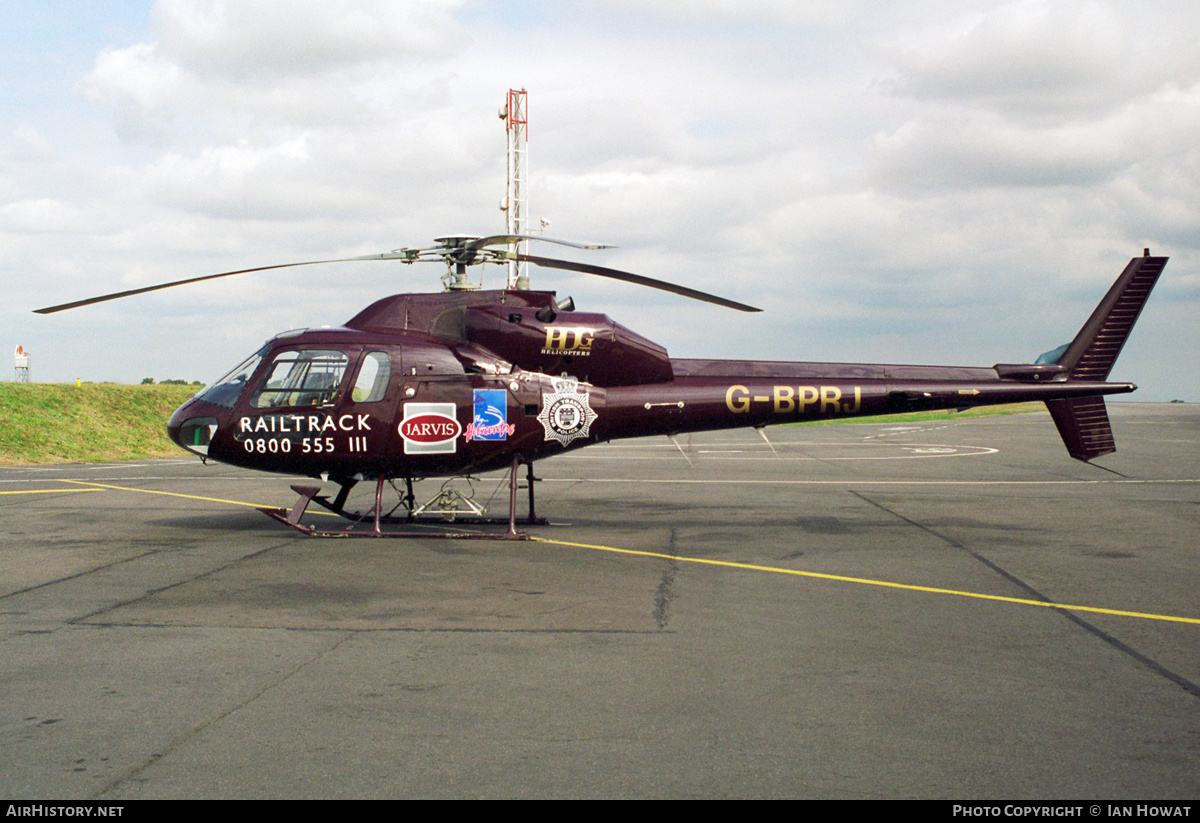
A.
x: 515, y: 115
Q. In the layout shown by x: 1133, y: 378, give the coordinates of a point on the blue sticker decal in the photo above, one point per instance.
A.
x: 491, y: 416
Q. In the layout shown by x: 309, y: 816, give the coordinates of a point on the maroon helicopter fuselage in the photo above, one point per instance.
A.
x: 424, y: 385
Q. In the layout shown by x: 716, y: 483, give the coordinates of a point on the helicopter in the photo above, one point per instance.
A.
x: 468, y: 380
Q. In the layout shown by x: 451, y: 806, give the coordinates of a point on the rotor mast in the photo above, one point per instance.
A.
x: 515, y: 115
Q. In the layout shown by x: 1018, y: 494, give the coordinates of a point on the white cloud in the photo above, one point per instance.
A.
x: 29, y: 144
x: 1030, y: 59
x: 233, y: 181
x: 982, y: 150
x: 137, y: 81
x: 44, y: 215
x: 253, y: 40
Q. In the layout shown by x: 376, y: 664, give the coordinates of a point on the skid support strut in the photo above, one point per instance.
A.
x: 376, y: 518
x: 530, y: 481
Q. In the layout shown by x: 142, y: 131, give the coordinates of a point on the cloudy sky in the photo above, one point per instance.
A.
x: 925, y: 182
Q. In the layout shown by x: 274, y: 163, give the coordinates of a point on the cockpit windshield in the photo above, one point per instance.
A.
x: 303, y: 377
x: 226, y: 391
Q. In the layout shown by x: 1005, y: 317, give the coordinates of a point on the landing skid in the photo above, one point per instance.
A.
x: 448, y: 504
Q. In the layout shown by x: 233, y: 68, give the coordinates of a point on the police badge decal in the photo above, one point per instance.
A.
x: 566, y: 414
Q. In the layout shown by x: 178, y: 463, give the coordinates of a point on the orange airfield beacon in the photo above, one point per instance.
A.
x: 466, y: 381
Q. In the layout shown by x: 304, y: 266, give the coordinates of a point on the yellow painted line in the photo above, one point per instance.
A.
x: 867, y: 582
x: 99, y: 486
x: 53, y: 491
x: 729, y: 564
x: 102, y: 486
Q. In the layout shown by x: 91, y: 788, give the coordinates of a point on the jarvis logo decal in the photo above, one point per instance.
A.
x: 491, y: 416
x: 430, y: 428
x: 566, y: 414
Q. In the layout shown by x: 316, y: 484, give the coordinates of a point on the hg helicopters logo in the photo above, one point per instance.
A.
x: 569, y: 340
x: 566, y: 414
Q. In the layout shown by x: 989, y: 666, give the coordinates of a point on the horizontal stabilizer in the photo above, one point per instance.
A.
x: 1083, y: 424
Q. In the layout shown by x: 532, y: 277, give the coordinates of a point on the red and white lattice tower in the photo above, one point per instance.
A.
x: 21, y: 360
x: 516, y: 119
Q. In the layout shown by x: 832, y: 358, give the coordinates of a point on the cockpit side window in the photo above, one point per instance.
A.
x: 305, y: 377
x: 373, y: 375
x: 226, y: 391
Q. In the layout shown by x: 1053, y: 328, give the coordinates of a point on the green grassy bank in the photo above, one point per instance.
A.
x: 55, y: 423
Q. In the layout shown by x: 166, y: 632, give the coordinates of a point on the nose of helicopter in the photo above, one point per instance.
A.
x: 192, y: 428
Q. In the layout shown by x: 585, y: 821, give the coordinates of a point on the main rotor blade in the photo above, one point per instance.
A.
x: 616, y: 274
x: 509, y: 239
x: 396, y: 255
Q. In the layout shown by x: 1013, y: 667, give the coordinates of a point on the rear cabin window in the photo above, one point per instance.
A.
x: 373, y: 376
x: 301, y: 378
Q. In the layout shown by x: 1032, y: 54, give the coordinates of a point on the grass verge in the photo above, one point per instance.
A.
x: 61, y: 423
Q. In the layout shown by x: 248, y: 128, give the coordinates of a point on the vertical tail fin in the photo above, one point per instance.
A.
x: 1083, y: 422
x: 1091, y: 355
